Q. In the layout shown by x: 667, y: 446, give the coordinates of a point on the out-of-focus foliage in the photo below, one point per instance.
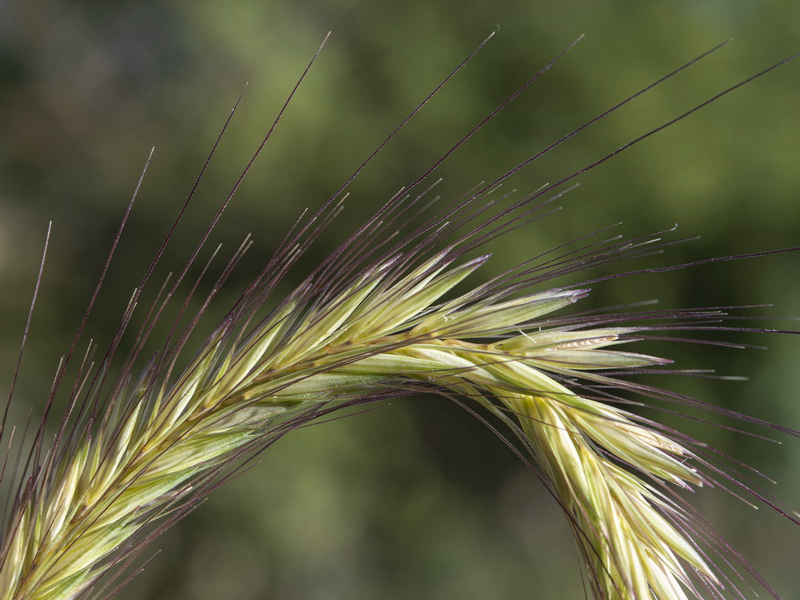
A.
x: 416, y: 499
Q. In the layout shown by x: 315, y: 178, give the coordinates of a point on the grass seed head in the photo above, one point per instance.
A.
x: 135, y: 455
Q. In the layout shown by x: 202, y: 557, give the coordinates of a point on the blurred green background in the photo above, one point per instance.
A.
x: 416, y: 499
